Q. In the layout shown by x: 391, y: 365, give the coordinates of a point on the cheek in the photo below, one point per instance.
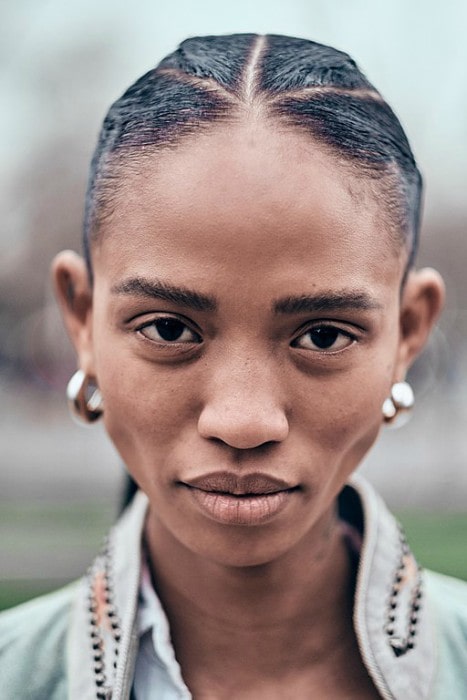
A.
x: 343, y: 414
x: 146, y: 408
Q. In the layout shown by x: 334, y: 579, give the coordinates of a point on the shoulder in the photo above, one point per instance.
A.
x: 446, y: 599
x: 442, y: 583
x: 33, y: 647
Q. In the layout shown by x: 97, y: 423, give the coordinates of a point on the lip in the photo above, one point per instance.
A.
x: 226, y: 482
x: 233, y: 499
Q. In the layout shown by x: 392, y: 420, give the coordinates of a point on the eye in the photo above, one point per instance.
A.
x: 168, y: 330
x: 324, y: 338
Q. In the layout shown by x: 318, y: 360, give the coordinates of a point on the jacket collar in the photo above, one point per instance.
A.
x: 391, y: 619
x: 124, y: 557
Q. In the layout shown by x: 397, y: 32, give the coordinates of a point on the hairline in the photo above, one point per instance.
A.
x: 123, y: 158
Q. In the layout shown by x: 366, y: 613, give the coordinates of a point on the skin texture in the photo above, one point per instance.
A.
x: 249, y: 217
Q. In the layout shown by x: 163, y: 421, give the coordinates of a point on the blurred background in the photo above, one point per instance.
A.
x: 61, y: 65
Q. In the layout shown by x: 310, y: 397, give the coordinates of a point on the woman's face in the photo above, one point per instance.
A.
x: 245, y: 330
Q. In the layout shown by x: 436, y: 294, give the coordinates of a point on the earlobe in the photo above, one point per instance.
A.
x: 74, y: 296
x: 421, y: 304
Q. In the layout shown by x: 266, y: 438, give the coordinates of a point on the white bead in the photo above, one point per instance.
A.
x: 389, y: 410
x: 402, y: 395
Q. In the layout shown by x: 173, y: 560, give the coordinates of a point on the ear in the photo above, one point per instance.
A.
x: 421, y: 303
x: 74, y: 295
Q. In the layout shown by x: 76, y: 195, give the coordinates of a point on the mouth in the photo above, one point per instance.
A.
x: 233, y: 499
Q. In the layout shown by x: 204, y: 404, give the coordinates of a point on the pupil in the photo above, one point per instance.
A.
x: 324, y: 337
x: 169, y: 328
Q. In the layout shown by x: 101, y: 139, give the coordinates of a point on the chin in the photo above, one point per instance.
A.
x: 246, y: 560
x: 243, y: 547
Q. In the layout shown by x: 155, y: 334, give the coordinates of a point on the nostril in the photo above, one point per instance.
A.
x: 243, y: 431
x: 261, y: 447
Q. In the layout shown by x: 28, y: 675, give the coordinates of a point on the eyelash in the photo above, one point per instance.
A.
x: 165, y: 342
x: 328, y: 331
x: 326, y: 327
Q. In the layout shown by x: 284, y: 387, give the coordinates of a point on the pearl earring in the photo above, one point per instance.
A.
x: 398, y: 404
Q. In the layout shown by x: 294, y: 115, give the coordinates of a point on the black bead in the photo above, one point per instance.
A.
x: 397, y: 645
x: 99, y: 679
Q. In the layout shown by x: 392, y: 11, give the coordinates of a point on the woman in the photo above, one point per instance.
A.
x: 244, y: 319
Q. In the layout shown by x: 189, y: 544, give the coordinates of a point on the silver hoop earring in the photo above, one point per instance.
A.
x: 84, y: 398
x: 399, y: 404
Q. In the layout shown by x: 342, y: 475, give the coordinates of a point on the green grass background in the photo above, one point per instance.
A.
x: 69, y: 533
x: 73, y: 532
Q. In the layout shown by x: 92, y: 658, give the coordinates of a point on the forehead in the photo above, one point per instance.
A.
x: 250, y: 194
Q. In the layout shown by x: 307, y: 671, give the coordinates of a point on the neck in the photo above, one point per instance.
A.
x: 287, y: 612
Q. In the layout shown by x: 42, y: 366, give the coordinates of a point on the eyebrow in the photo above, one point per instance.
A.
x: 331, y: 301
x: 302, y: 303
x: 156, y: 289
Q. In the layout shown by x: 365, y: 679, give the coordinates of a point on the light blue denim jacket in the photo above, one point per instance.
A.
x: 45, y: 646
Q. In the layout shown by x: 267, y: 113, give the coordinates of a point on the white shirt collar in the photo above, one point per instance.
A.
x: 151, y: 618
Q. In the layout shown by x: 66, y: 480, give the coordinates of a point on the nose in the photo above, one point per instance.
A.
x: 243, y: 409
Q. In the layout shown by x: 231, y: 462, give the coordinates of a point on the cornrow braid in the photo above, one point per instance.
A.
x: 300, y: 83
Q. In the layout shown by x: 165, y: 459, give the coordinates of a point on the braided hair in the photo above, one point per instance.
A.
x: 295, y: 82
